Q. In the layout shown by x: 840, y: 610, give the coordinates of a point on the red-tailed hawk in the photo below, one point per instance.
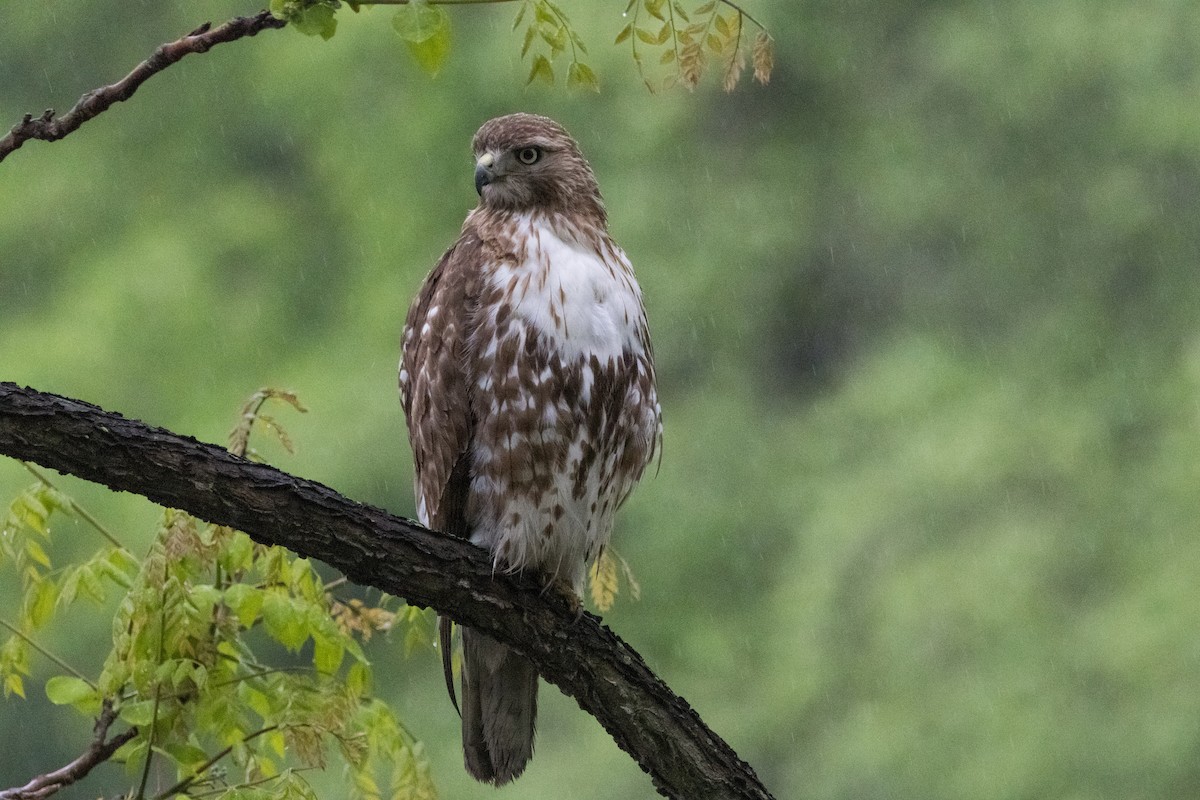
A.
x: 528, y: 386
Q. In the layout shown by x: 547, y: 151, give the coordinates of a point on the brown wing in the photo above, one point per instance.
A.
x: 434, y: 387
x: 434, y: 390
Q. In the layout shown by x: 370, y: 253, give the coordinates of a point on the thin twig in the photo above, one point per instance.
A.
x: 17, y: 632
x: 48, y: 127
x: 203, y: 768
x: 77, y: 509
x: 98, y: 752
x: 744, y: 13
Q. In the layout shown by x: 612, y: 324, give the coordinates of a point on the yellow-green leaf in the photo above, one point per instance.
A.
x: 65, y: 690
x: 625, y: 33
x: 327, y: 655
x: 581, y: 76
x: 41, y: 603
x: 541, y: 71
x: 645, y: 35
x: 315, y: 21
x: 426, y: 31
x: 37, y: 553
x: 284, y: 621
x: 245, y: 601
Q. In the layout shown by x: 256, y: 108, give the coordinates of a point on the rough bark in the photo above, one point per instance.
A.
x: 585, y: 659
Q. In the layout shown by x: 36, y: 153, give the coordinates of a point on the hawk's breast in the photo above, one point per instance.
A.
x: 564, y: 398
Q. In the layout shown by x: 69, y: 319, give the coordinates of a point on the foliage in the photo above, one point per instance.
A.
x: 717, y: 33
x: 688, y: 40
x: 206, y: 653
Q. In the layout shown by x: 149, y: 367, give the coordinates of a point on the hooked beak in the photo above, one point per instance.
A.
x: 485, y: 171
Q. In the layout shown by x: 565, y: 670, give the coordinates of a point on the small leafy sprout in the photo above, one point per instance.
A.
x: 529, y: 155
x: 310, y: 17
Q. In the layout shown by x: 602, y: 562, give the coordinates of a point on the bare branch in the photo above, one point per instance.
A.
x: 49, y: 128
x: 586, y: 660
x: 98, y: 752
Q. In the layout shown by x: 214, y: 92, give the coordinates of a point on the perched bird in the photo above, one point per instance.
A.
x: 527, y: 381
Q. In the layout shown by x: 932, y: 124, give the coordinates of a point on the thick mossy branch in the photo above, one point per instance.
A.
x: 586, y: 660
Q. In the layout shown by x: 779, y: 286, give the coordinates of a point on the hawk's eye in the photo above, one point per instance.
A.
x: 529, y: 155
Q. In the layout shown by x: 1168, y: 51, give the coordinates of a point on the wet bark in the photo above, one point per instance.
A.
x: 585, y: 659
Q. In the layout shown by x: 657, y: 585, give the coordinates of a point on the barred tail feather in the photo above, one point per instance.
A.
x: 499, y: 709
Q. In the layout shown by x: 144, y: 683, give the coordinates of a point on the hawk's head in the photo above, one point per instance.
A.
x: 524, y: 162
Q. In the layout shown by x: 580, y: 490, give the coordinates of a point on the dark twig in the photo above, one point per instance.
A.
x: 183, y: 785
x: 98, y: 752
x: 50, y: 128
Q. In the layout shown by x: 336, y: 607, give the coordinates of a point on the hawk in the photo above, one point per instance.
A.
x: 527, y: 381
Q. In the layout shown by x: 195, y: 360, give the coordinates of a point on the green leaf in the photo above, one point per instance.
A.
x: 581, y: 76
x: 285, y: 621
x: 132, y: 754
x: 14, y: 685
x: 256, y: 701
x: 203, y: 597
x: 121, y: 567
x: 138, y: 713
x: 723, y: 26
x: 541, y: 71
x: 426, y: 31
x: 37, y: 553
x: 530, y: 32
x: 245, y: 601
x: 185, y: 754
x: 624, y: 34
x: 646, y: 36
x: 238, y: 553
x: 41, y: 603
x: 327, y: 655
x: 66, y: 690
x: 358, y: 679
x: 542, y: 13
x: 316, y: 20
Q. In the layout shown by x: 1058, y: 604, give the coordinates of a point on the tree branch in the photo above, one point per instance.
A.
x: 586, y: 660
x: 98, y: 752
x: 50, y: 128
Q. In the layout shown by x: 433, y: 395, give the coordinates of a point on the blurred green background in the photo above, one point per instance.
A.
x: 926, y: 319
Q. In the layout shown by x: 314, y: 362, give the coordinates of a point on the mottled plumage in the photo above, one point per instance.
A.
x: 527, y: 381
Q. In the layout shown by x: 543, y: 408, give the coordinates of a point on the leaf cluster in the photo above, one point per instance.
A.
x: 604, y: 579
x: 223, y: 652
x: 549, y: 35
x: 711, y: 31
